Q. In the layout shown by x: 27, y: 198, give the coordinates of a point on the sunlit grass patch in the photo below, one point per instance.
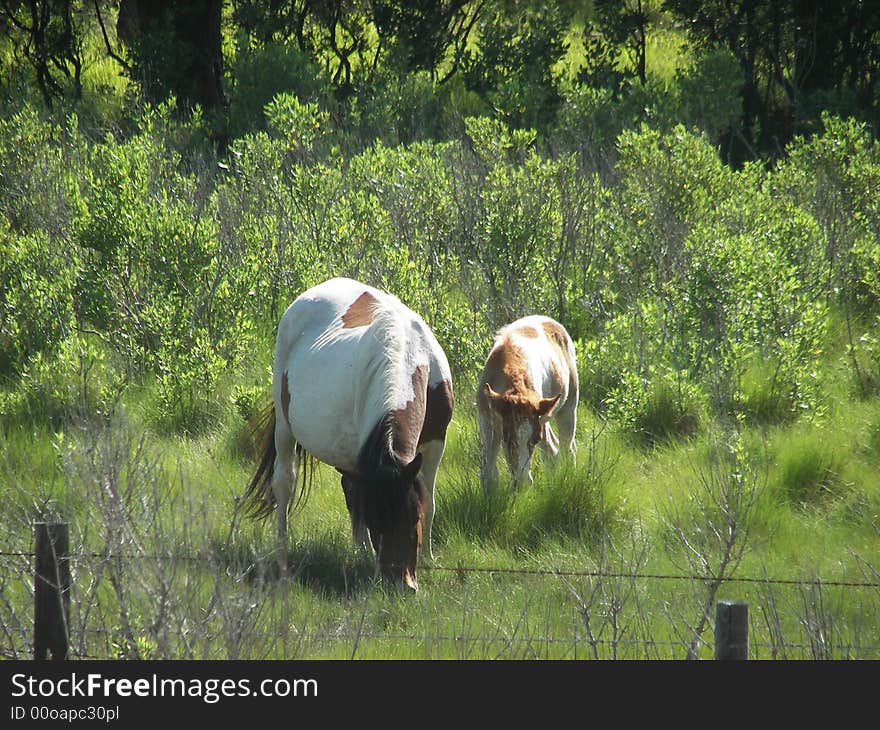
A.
x: 809, y: 467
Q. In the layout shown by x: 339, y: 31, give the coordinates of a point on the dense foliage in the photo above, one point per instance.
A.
x: 693, y: 290
x: 580, y: 186
x: 691, y: 188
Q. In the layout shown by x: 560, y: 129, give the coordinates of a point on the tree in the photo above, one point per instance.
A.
x: 175, y: 49
x: 797, y: 58
x: 520, y: 42
x: 46, y: 33
x: 625, y: 24
x: 424, y: 34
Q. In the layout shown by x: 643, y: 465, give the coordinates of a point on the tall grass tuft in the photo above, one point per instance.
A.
x: 761, y: 397
x: 568, y: 498
x: 809, y: 468
x: 667, y: 408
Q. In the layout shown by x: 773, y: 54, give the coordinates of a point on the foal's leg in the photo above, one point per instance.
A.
x: 549, y: 443
x: 566, y: 420
x: 432, y: 452
x: 490, y: 443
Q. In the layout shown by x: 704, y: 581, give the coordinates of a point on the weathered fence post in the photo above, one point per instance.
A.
x: 51, y: 590
x: 732, y: 630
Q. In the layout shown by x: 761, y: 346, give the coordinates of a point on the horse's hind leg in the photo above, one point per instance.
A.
x: 284, y: 483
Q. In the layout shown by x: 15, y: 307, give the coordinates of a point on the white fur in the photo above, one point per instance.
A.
x: 542, y: 357
x: 343, y: 380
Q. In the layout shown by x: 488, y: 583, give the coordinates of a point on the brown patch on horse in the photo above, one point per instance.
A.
x: 527, y: 331
x: 512, y: 406
x: 506, y: 370
x: 557, y: 335
x: 438, y: 412
x: 408, y: 421
x: 360, y: 312
x: 285, y: 398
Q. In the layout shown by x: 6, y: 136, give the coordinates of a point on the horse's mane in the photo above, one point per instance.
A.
x: 382, y: 491
x: 390, y: 325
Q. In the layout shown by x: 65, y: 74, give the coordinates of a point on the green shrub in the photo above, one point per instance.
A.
x: 705, y: 93
x: 657, y: 409
x: 38, y: 160
x: 188, y: 398
x: 259, y: 73
x: 710, y: 275
x: 398, y: 109
x: 834, y: 176
x: 298, y: 124
x: 36, y: 296
x: 72, y: 381
x: 761, y: 397
x: 565, y: 499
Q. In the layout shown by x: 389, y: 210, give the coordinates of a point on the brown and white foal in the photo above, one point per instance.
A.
x: 530, y: 376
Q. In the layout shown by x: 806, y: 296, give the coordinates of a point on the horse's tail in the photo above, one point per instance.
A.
x: 258, y: 500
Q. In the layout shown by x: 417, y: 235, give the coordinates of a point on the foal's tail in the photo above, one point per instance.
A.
x: 258, y: 500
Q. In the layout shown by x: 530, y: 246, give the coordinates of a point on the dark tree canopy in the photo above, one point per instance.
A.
x: 47, y: 34
x: 372, y: 57
x: 797, y: 57
x: 176, y: 48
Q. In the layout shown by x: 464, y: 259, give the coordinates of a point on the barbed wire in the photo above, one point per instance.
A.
x: 574, y: 639
x: 574, y: 642
x: 491, y: 570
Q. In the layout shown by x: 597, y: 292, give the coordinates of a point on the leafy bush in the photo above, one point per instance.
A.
x: 189, y: 400
x: 36, y: 296
x: 664, y: 407
x: 705, y: 93
x: 72, y: 381
x: 834, y: 176
x: 259, y: 73
x: 37, y: 159
x: 398, y: 109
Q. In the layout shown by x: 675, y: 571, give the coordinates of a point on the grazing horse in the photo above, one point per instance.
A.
x: 359, y: 382
x: 529, y: 376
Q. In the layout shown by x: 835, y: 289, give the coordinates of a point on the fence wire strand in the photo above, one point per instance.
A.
x: 492, y: 570
x: 576, y: 641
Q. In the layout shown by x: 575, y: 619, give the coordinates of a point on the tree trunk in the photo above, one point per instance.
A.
x: 176, y: 48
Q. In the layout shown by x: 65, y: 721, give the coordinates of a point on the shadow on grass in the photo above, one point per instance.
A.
x: 324, y: 566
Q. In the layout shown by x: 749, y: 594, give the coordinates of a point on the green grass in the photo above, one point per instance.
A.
x: 495, y: 588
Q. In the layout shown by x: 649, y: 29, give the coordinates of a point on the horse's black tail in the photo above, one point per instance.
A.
x: 258, y: 500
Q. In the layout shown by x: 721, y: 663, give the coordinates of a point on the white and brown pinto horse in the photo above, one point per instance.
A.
x: 530, y: 376
x: 359, y: 382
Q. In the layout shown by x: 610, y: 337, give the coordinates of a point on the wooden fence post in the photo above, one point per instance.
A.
x: 51, y: 590
x: 731, y: 630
